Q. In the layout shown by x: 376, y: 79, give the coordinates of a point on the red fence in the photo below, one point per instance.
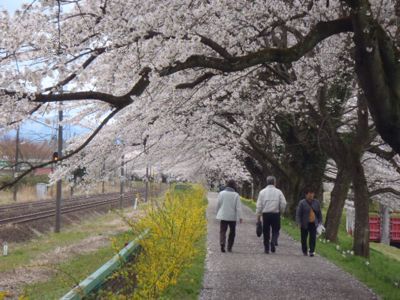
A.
x: 395, y: 229
x: 375, y: 229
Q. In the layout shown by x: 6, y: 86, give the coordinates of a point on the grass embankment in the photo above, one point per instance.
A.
x: 380, y: 272
x: 41, y: 256
x: 20, y: 254
x: 387, y: 250
x: 71, y: 272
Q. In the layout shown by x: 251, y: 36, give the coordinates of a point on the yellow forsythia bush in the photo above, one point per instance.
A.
x: 176, y: 225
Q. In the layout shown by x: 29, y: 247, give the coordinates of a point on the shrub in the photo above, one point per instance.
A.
x: 33, y: 180
x: 27, y: 180
x: 4, y: 179
x: 176, y: 225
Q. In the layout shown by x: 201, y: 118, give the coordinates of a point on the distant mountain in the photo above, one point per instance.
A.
x: 32, y: 130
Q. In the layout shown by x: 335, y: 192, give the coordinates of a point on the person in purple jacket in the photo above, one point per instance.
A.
x: 308, y: 217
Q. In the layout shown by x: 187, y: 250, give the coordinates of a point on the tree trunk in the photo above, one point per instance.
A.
x: 311, y: 176
x: 338, y: 197
x: 246, y: 189
x: 378, y: 72
x: 257, y: 174
x: 292, y: 189
x: 361, y: 205
x: 385, y: 222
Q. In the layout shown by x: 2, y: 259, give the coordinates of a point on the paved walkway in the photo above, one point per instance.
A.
x: 248, y: 273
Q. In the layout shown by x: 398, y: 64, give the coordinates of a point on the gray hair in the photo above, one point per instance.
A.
x: 271, y: 180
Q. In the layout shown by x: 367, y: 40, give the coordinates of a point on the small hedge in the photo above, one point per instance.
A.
x: 177, y: 228
x: 27, y: 180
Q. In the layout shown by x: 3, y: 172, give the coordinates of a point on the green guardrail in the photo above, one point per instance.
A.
x: 97, y: 278
x: 183, y: 187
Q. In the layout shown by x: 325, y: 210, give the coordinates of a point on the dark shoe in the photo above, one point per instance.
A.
x: 272, y: 247
x: 311, y: 254
x: 229, y: 249
x: 266, y: 250
x: 223, y: 248
x: 305, y: 253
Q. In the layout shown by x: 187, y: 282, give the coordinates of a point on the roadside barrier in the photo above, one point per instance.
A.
x: 95, y: 280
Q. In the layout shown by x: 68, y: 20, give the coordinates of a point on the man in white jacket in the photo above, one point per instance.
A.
x: 270, y: 204
x: 229, y: 211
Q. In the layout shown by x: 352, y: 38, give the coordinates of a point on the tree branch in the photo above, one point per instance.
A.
x: 264, y: 155
x: 382, y: 153
x: 88, y: 140
x: 215, y: 46
x: 384, y: 191
x: 115, y: 101
x: 142, y: 84
x: 73, y: 75
x: 320, y: 32
x: 190, y: 85
x: 223, y: 126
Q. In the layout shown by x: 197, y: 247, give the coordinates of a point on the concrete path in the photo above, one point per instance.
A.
x: 248, y: 273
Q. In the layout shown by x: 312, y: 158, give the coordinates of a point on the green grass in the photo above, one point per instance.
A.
x: 68, y: 274
x: 250, y: 203
x: 20, y: 254
x: 190, y: 281
x: 71, y: 272
x: 387, y: 250
x: 380, y: 272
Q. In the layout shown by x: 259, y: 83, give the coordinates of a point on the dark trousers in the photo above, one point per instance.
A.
x: 271, y: 222
x: 232, y: 232
x: 312, y: 230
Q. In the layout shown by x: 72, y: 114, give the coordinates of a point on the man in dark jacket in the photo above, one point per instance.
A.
x: 308, y: 217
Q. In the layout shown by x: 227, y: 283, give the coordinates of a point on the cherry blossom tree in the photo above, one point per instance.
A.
x: 155, y: 75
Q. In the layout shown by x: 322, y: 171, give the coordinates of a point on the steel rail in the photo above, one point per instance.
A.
x: 64, y: 210
x: 8, y: 207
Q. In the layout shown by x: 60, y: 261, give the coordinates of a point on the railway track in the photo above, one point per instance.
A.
x: 68, y: 207
x: 39, y: 204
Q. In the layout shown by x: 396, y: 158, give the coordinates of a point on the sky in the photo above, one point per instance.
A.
x: 12, y: 5
x: 34, y: 130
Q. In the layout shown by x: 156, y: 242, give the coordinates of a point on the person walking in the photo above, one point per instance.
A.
x: 270, y: 204
x: 229, y: 211
x: 308, y: 217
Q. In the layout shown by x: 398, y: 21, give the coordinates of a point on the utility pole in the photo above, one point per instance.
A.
x: 103, y: 173
x: 16, y: 167
x: 147, y: 183
x: 121, y: 182
x: 146, y: 192
x: 59, y: 182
